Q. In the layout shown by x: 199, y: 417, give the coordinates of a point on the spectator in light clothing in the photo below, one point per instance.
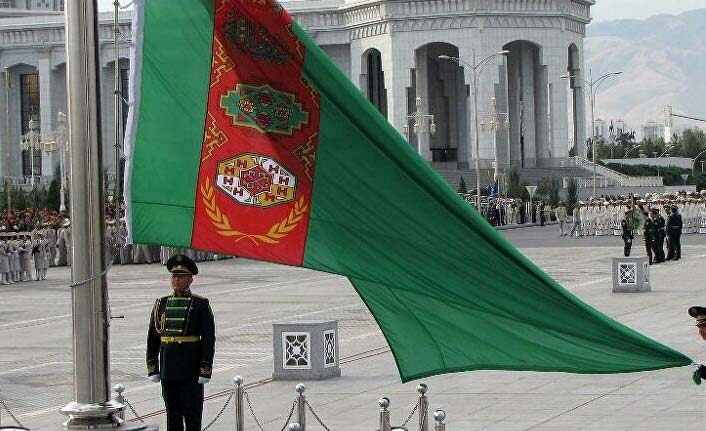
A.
x: 560, y: 213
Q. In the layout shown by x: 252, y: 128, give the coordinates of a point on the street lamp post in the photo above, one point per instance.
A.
x: 423, y: 124
x: 630, y: 150
x: 592, y: 88
x: 693, y: 163
x: 497, y: 121
x: 61, y: 144
x: 476, y: 67
x: 531, y: 190
x: 31, y: 141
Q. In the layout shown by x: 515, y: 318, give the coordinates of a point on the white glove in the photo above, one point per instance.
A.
x: 154, y: 378
x: 203, y: 380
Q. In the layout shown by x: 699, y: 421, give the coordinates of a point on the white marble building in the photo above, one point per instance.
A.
x: 33, y: 83
x: 390, y: 49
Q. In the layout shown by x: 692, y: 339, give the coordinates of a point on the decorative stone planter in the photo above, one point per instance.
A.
x: 631, y: 274
x: 305, y: 350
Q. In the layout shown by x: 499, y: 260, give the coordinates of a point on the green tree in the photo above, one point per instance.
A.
x: 544, y: 188
x: 692, y: 142
x: 521, y: 191
x: 554, y: 191
x: 572, y: 194
x: 513, y: 182
x: 462, y: 189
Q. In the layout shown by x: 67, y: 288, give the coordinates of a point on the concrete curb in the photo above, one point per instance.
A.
x: 521, y: 226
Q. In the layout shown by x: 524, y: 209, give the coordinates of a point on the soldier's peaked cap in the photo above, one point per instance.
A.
x: 180, y: 264
x: 698, y: 313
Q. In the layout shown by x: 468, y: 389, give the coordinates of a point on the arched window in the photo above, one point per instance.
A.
x: 376, y: 81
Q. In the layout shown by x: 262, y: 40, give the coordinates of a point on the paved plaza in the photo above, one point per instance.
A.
x: 248, y: 297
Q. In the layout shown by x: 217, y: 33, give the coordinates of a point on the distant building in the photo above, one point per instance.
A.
x: 652, y: 130
x: 29, y: 7
x: 390, y: 49
x: 601, y: 129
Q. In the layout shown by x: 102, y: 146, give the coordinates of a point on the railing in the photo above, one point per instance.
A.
x: 615, y: 178
x: 299, y: 409
x: 26, y: 181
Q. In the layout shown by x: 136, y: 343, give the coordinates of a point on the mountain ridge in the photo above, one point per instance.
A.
x: 663, y: 59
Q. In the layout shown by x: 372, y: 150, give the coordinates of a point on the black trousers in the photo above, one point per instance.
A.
x: 648, y: 247
x: 658, y: 248
x: 627, y: 242
x: 676, y: 245
x: 183, y: 400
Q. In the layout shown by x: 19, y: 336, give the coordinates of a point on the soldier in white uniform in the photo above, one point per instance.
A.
x: 61, y: 246
x: 12, y: 247
x: 6, y: 277
x: 66, y: 239
x: 25, y: 251
x: 41, y: 253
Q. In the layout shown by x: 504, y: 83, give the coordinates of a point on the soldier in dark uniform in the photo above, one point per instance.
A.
x: 627, y: 232
x: 699, y: 313
x: 674, y: 226
x: 658, y: 225
x: 180, y: 347
x: 648, y: 236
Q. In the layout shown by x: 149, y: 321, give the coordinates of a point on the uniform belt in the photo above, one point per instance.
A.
x: 181, y: 339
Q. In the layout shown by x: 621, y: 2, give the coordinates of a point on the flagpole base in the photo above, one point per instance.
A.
x: 100, y: 416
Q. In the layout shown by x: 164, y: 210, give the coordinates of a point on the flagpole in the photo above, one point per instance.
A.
x: 92, y: 406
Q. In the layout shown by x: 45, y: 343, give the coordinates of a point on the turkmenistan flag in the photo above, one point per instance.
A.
x: 245, y: 139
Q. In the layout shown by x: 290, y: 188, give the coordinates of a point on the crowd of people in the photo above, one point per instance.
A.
x: 660, y: 219
x: 33, y: 240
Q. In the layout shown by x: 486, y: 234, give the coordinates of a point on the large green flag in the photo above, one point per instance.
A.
x: 245, y: 139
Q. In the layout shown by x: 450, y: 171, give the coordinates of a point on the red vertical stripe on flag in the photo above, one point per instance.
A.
x: 257, y: 161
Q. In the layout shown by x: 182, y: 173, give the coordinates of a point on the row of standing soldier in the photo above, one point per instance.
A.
x: 655, y: 230
x: 17, y: 251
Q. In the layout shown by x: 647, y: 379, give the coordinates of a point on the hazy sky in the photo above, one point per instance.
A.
x: 618, y: 9
x: 602, y: 11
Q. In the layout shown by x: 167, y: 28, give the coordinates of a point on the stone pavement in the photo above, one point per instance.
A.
x: 248, y: 296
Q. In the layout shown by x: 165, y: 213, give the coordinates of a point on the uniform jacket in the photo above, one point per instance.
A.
x: 658, y: 228
x: 674, y: 224
x: 186, y: 360
x: 648, y: 228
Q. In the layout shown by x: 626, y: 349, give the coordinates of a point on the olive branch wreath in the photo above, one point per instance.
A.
x: 276, y: 232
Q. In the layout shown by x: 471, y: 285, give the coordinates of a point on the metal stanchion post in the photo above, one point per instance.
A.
x: 384, y: 403
x: 423, y: 407
x: 239, y: 412
x: 439, y: 417
x: 119, y: 389
x: 301, y: 406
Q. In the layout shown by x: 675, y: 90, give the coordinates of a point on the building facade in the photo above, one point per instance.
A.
x: 33, y: 87
x: 531, y: 101
x: 391, y: 50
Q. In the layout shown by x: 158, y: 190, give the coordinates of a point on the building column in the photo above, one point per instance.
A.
x: 580, y: 116
x: 397, y: 69
x: 559, y: 112
x: 46, y: 112
x: 514, y: 85
x: 541, y: 106
x: 4, y: 123
x: 528, y: 114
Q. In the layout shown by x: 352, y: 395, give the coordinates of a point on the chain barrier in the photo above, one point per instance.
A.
x: 132, y: 409
x: 252, y: 412
x: 218, y: 416
x: 318, y: 419
x: 7, y: 409
x: 291, y: 412
x: 406, y: 421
